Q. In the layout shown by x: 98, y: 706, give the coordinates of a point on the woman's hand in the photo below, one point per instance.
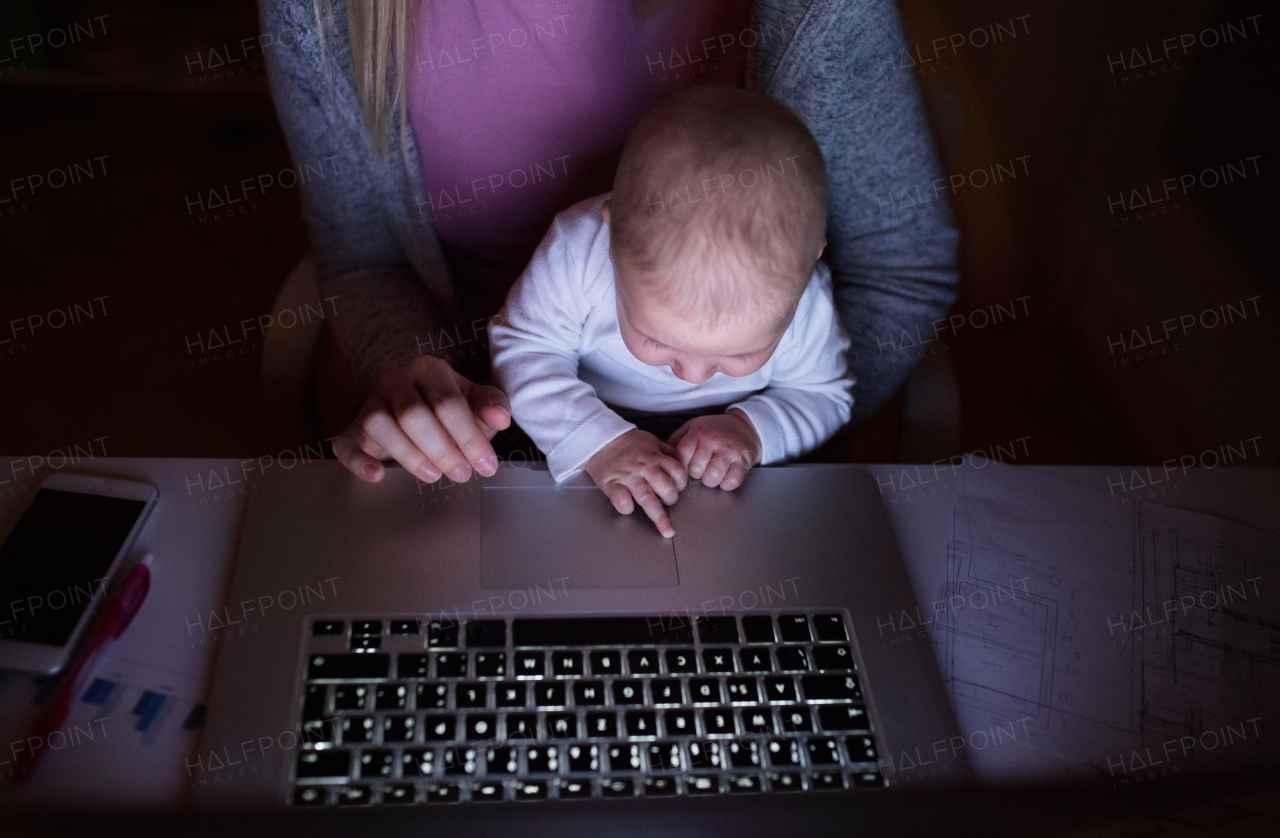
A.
x: 429, y: 419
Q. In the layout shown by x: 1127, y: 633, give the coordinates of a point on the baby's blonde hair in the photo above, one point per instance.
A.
x: 717, y: 187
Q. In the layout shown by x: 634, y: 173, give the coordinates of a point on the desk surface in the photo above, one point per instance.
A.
x: 192, y: 533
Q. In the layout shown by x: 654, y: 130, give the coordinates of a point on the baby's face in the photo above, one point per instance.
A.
x: 737, y: 345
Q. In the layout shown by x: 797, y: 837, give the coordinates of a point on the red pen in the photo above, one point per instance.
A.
x: 116, y: 617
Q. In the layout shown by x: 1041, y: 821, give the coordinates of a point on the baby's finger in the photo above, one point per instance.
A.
x: 698, y: 460
x: 653, y: 507
x: 680, y: 433
x: 716, y: 469
x: 663, y: 484
x: 620, y: 497
x: 676, y: 469
x: 686, y: 447
x: 733, y: 479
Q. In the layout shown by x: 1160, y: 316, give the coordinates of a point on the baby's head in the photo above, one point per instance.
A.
x: 716, y: 220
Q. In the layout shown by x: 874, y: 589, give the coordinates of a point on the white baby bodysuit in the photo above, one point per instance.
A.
x: 558, y: 354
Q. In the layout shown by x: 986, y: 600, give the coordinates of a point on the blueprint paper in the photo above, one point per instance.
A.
x: 1127, y: 642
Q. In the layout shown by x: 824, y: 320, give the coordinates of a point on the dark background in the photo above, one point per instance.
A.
x: 1051, y: 375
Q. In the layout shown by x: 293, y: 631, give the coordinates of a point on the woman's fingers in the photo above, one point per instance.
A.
x: 388, y: 431
x: 491, y: 407
x: 351, y: 449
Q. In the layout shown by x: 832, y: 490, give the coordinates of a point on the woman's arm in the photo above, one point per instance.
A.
x: 419, y: 411
x: 893, y: 266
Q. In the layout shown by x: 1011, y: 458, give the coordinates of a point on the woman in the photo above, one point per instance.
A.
x: 461, y: 127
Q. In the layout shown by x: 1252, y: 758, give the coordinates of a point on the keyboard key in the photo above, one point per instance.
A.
x: 868, y: 780
x: 399, y: 793
x: 543, y: 759
x: 562, y: 726
x: 398, y: 728
x: 680, y: 723
x: 532, y: 790
x: 830, y: 687
x: 566, y: 663
x: 705, y: 755
x: 830, y: 627
x: 363, y: 644
x: 705, y: 690
x: 327, y: 764
x: 794, y: 628
x: 412, y: 666
x: 522, y: 726
x: 602, y: 631
x: 575, y: 790
x: 702, y: 785
x: 827, y: 781
x: 500, y: 761
x: 486, y: 634
x: 623, y: 787
x: 314, y: 702
x: 451, y: 665
x: 742, y: 690
x: 470, y: 696
x: 784, y: 753
x: 590, y: 693
x: 530, y: 664
x: 510, y: 695
x: 438, y: 728
x: 350, y: 696
x: 793, y: 660
x: 833, y: 659
x: 860, y: 748
x: 664, y: 756
x: 318, y: 731
x: 308, y: 796
x: 354, y: 796
x: 419, y: 762
x: 431, y: 696
x: 780, y: 689
x: 643, y: 661
x: 606, y: 663
x: 584, y: 757
x: 602, y: 725
x: 744, y: 754
x: 549, y: 695
x: 352, y: 667
x: 758, y: 629
x: 483, y: 726
x: 491, y: 664
x: 442, y: 634
x: 795, y: 719
x: 391, y: 697
x: 681, y: 661
x: 844, y: 717
x: 755, y: 659
x: 487, y: 792
x: 459, y: 761
x: 628, y: 692
x: 328, y: 628
x: 666, y: 691
x: 659, y: 786
x: 717, y: 629
x: 357, y: 729
x: 757, y: 720
x: 405, y: 627
x: 641, y: 723
x: 624, y: 759
x: 366, y: 628
x: 744, y: 784
x: 786, y: 781
x: 823, y: 751
x: 717, y: 660
x: 443, y: 793
x: 718, y: 722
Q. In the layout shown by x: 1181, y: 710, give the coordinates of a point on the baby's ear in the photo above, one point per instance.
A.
x: 604, y: 213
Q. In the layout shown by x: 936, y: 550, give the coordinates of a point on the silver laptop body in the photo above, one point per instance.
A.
x: 340, y: 588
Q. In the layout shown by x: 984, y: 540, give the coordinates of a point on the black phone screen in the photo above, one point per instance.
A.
x: 55, y: 560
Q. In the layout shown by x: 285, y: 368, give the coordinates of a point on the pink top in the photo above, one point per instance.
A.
x: 520, y: 109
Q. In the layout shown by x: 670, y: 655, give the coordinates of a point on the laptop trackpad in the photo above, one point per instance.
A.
x: 570, y: 536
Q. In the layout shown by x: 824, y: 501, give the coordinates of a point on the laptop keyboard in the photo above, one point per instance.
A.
x: 408, y: 711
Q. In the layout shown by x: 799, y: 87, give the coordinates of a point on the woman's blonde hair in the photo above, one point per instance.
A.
x: 382, y: 35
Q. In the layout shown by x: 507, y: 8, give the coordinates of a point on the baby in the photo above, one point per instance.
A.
x: 692, y: 291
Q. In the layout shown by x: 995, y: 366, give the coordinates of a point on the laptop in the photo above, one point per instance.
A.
x: 511, y: 641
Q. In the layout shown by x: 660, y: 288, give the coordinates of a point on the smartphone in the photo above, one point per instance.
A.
x: 58, y: 560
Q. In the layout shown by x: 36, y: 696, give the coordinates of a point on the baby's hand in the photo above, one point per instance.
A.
x: 638, y: 465
x: 719, y: 449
